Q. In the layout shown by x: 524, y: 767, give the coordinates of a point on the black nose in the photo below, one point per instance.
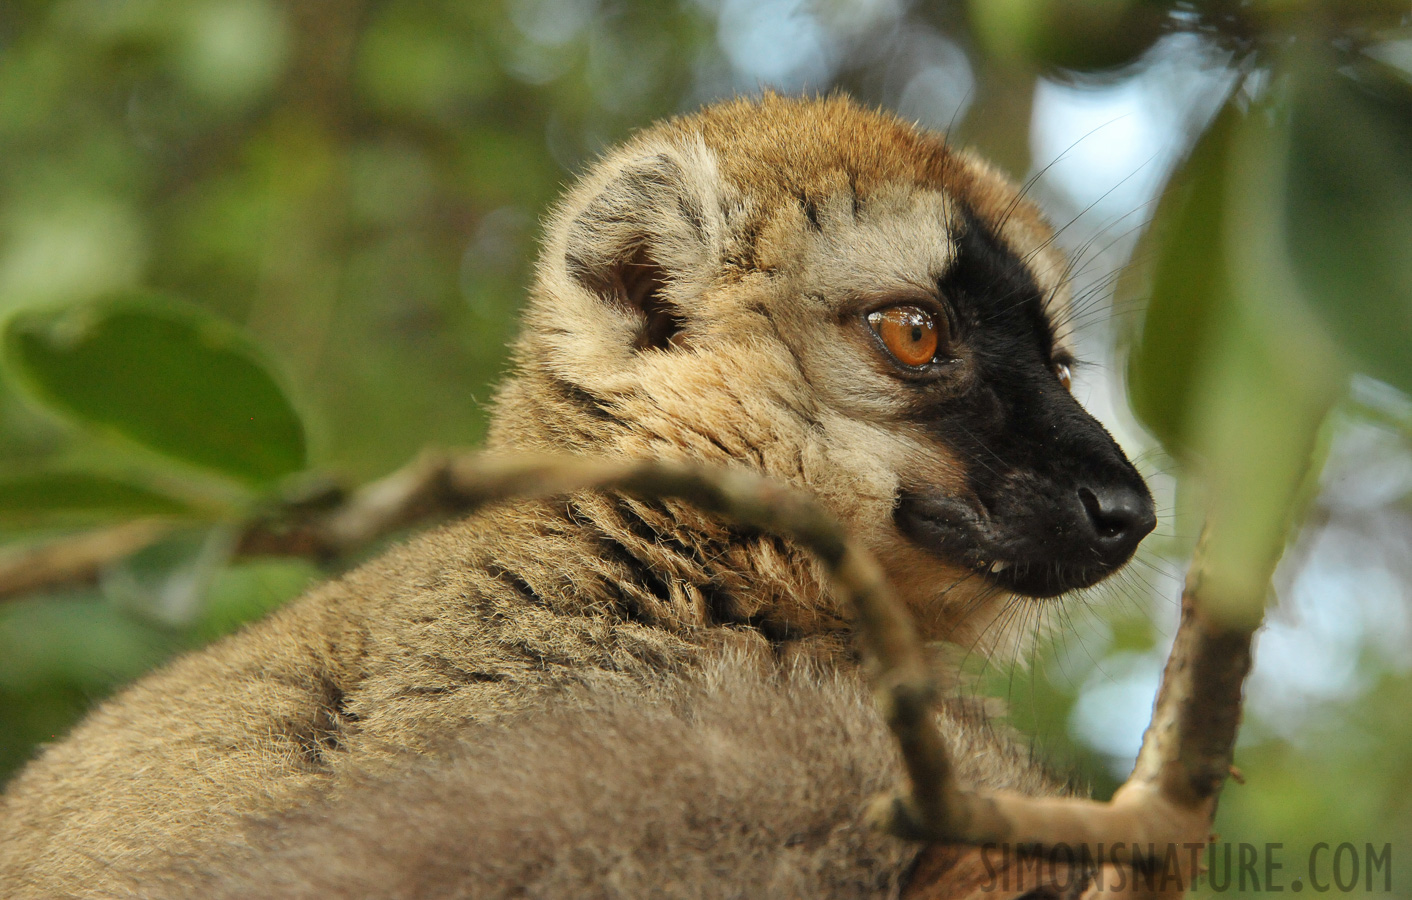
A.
x: 1118, y: 518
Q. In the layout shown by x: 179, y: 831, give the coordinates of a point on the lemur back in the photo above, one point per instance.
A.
x: 814, y: 290
x: 739, y: 778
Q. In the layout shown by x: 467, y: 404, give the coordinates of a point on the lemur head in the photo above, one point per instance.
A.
x: 839, y: 299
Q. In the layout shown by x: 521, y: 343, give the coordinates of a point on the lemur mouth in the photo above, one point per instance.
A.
x: 1042, y: 555
x: 1041, y: 580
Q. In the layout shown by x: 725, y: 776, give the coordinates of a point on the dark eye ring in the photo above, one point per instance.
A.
x: 912, y: 335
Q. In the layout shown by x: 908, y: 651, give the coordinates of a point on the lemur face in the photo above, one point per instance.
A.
x: 842, y: 301
x: 950, y: 340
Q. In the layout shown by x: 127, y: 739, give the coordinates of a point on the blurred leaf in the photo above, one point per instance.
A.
x: 167, y: 582
x: 65, y: 244
x: 75, y: 640
x: 1256, y: 427
x: 1227, y: 368
x: 1085, y: 35
x: 233, y: 50
x: 247, y: 591
x: 1348, y: 215
x: 165, y: 375
x: 408, y: 60
x: 1190, y: 290
x: 80, y: 494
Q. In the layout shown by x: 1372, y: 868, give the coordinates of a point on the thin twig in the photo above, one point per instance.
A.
x: 1168, y: 801
x: 418, y: 493
x: 74, y: 560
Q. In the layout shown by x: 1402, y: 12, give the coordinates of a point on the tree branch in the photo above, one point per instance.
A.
x: 74, y: 560
x: 1169, y: 799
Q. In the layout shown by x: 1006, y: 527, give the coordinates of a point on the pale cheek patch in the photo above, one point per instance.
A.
x: 859, y: 468
x: 854, y: 466
x: 696, y: 403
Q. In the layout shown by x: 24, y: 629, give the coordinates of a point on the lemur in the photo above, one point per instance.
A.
x: 735, y: 778
x: 817, y: 291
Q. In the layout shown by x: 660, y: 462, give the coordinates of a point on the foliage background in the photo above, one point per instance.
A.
x: 357, y: 186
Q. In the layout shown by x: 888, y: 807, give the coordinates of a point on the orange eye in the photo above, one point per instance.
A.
x: 910, y: 333
x: 1066, y: 378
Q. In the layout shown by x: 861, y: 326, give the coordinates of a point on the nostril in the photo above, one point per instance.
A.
x: 1104, y: 522
x: 1120, y: 517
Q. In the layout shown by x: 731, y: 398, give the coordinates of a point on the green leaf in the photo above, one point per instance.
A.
x: 1255, y: 425
x: 1348, y: 209
x: 165, y: 375
x: 247, y: 591
x: 167, y: 581
x: 1191, y: 294
x: 1085, y: 35
x: 43, y: 495
x: 75, y: 639
x: 1229, y: 370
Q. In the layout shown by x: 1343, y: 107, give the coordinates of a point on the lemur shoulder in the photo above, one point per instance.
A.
x: 735, y: 778
x: 814, y: 290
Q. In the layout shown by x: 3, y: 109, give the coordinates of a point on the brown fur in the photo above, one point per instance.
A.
x: 736, y: 780
x: 747, y: 210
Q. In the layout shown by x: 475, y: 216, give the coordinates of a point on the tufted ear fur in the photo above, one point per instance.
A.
x: 647, y: 238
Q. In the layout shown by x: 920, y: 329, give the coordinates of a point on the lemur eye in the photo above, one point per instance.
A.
x: 1066, y: 377
x: 910, y: 333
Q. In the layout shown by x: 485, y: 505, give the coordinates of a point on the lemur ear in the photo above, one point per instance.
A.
x: 648, y: 238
